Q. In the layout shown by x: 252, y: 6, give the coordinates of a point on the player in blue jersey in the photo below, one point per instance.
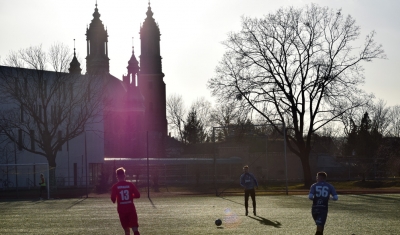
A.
x: 320, y: 193
x: 248, y: 182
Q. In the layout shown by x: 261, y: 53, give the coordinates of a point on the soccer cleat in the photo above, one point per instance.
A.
x: 247, y: 213
x: 254, y: 212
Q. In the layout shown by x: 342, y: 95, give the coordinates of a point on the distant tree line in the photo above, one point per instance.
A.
x: 368, y: 135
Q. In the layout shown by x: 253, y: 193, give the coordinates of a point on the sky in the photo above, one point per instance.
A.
x: 192, y: 32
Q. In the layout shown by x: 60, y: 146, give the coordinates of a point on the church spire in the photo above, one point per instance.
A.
x: 97, y: 60
x: 150, y: 59
x: 75, y: 66
x: 133, y: 69
x: 133, y: 63
x: 149, y: 13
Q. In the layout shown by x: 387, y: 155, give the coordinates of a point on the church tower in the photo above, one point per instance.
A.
x: 135, y: 138
x: 150, y: 79
x: 97, y: 61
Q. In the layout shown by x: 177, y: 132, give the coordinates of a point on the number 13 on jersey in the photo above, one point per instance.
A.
x: 124, y: 195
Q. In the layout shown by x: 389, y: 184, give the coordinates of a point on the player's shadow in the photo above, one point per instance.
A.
x: 267, y: 222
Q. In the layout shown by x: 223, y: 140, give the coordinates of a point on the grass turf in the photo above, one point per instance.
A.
x: 352, y: 214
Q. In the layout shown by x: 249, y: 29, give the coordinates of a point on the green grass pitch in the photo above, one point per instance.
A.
x: 352, y: 214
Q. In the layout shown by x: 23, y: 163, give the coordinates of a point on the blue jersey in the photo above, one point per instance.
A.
x: 320, y: 193
x: 248, y: 181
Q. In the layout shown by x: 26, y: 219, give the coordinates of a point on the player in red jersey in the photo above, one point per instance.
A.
x: 124, y: 192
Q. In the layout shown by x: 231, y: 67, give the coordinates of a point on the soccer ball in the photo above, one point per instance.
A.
x: 218, y: 222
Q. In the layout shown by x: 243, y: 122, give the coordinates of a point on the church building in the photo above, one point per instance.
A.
x: 135, y: 110
x: 131, y: 123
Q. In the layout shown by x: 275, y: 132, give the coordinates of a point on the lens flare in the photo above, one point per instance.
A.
x: 231, y: 219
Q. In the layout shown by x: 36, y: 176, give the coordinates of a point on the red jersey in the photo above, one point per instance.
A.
x: 124, y: 192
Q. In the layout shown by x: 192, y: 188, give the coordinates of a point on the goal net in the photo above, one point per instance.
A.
x: 24, y: 178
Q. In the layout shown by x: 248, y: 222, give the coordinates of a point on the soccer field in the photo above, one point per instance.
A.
x: 352, y: 214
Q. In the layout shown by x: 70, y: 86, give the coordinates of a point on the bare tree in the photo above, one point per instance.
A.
x: 225, y: 115
x: 42, y: 110
x: 203, y: 110
x: 394, y: 117
x: 176, y: 113
x: 298, y: 67
x: 380, y: 117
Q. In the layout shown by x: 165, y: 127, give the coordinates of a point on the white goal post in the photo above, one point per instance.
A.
x: 46, y: 173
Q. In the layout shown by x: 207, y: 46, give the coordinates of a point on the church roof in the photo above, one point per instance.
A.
x: 75, y: 66
x: 133, y: 63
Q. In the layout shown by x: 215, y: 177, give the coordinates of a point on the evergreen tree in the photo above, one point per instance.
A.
x: 349, y: 147
x: 193, y: 130
x: 363, y: 143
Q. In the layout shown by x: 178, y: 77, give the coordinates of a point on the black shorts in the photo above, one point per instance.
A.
x: 319, y: 215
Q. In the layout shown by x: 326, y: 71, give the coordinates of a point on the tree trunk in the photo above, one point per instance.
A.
x: 52, y: 174
x: 305, y: 162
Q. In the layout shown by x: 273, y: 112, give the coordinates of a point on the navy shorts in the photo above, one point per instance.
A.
x: 319, y: 215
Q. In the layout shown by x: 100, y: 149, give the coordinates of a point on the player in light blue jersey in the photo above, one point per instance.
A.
x: 248, y: 182
x: 320, y: 193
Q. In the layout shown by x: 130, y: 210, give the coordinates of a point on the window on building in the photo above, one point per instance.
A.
x: 22, y: 113
x: 45, y: 88
x: 40, y: 112
x: 64, y: 90
x: 32, y: 137
x: 60, y: 139
x: 71, y: 90
x: 25, y: 85
x: 67, y: 140
x: 20, y: 139
x: 16, y: 86
x: 52, y: 114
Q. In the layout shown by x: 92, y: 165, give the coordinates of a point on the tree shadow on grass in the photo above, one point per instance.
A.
x: 232, y: 201
x: 154, y: 206
x: 75, y: 203
x: 374, y: 197
x: 267, y: 222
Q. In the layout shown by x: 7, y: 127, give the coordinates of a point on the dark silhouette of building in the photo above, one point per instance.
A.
x: 97, y: 61
x: 135, y: 108
x: 150, y: 79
